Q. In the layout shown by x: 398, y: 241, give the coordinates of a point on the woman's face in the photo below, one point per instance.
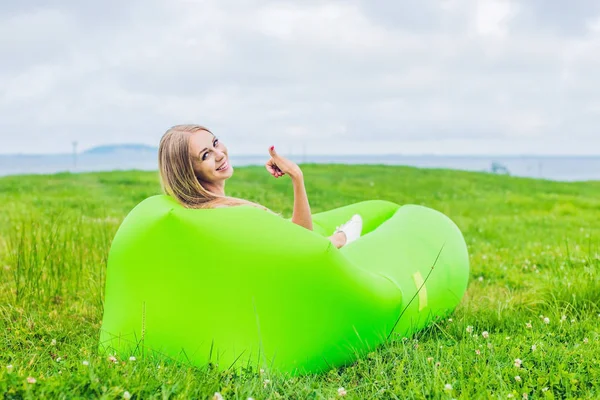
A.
x: 209, y: 158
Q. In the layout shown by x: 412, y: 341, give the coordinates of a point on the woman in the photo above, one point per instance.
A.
x: 194, y: 166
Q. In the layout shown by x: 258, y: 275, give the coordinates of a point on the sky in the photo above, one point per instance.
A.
x: 321, y: 77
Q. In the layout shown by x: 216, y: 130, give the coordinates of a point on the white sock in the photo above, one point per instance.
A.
x: 352, y: 229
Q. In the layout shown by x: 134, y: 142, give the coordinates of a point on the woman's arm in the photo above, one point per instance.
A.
x: 279, y: 166
x: 301, y: 215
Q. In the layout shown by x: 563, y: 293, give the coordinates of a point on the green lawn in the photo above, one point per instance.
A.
x: 528, y: 327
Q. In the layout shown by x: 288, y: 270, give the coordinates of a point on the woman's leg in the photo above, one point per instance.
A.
x: 338, y: 239
x: 373, y: 213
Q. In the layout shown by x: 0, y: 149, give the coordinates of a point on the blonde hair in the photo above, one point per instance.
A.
x: 177, y: 175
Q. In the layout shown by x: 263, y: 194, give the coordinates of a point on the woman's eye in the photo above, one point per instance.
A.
x: 215, y: 143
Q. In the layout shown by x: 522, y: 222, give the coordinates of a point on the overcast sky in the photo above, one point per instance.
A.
x: 353, y: 76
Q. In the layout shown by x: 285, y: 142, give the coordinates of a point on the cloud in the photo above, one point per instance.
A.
x: 474, y: 75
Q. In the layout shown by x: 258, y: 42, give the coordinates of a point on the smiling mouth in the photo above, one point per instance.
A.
x: 224, y: 166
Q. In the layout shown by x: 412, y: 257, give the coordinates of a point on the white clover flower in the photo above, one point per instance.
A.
x: 528, y: 325
x: 85, y: 362
x: 429, y: 359
x: 480, y: 279
x: 58, y: 359
x: 450, y: 319
x: 477, y: 352
x: 132, y: 358
x: 126, y: 395
x: 545, y: 389
x: 266, y: 382
x: 31, y: 379
x: 585, y: 340
x: 113, y: 359
x: 485, y: 334
x: 262, y: 371
x: 53, y: 342
x: 563, y: 318
x: 447, y: 386
x: 217, y: 396
x: 341, y: 391
x: 546, y: 320
x: 525, y: 396
x: 469, y: 329
x: 518, y: 362
x: 533, y: 347
x: 518, y: 378
x: 510, y: 395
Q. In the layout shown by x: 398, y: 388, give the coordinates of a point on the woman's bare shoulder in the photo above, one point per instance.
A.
x: 251, y: 205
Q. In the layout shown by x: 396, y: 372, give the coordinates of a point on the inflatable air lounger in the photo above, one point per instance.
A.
x: 240, y: 287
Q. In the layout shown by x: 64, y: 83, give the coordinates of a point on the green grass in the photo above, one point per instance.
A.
x: 534, y: 254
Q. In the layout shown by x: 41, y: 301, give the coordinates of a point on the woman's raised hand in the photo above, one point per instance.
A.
x: 279, y: 166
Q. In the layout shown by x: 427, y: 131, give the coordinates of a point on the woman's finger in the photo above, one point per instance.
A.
x: 271, y: 165
x: 274, y: 155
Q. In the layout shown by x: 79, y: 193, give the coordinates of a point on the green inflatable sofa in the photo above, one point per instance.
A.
x: 241, y: 287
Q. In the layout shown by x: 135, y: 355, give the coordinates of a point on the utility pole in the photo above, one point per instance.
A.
x: 74, y: 154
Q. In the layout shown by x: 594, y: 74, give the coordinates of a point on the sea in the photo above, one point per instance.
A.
x: 558, y: 168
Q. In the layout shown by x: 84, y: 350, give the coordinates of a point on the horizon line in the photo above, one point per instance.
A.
x: 545, y: 155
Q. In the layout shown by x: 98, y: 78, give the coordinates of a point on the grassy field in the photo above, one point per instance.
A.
x: 528, y: 327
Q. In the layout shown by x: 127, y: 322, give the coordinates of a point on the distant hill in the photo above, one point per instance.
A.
x: 121, y: 148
